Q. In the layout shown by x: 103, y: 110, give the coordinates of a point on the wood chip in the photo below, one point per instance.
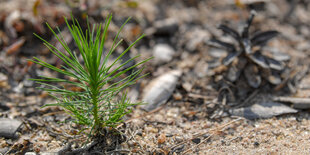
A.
x: 14, y: 48
x: 298, y: 102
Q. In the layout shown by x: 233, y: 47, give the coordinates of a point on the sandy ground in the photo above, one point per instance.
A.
x: 186, y: 123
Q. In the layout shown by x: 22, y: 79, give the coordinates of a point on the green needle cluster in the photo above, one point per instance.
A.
x: 98, y: 105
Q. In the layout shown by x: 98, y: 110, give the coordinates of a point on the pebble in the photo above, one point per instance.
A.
x: 3, y: 107
x: 163, y: 53
x: 9, y: 127
x: 187, y: 86
x: 196, y: 140
x: 151, y: 129
x: 196, y: 38
x: 139, y: 132
x: 169, y: 135
x: 159, y: 90
x: 201, y: 69
x: 178, y: 139
x: 161, y: 138
x: 256, y: 144
x: 167, y: 26
x: 131, y: 143
x: 177, y: 96
x: 4, y: 81
x: 3, y: 77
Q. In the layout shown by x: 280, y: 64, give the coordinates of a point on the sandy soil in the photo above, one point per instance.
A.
x: 192, y: 121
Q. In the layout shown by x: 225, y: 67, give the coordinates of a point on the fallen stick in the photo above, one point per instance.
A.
x: 298, y: 102
x: 293, y: 100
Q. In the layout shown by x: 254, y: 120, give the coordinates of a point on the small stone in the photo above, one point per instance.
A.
x: 256, y: 144
x: 166, y: 27
x: 151, y: 129
x: 196, y: 140
x: 161, y: 138
x: 169, y: 135
x: 178, y: 139
x: 187, y: 86
x: 196, y: 38
x: 4, y: 81
x: 9, y: 127
x: 177, y: 96
x: 159, y: 90
x: 3, y: 77
x: 131, y: 143
x: 163, y: 53
x: 201, y: 69
x: 139, y: 132
x: 3, y: 107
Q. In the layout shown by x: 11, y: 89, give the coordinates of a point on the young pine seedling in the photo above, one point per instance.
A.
x: 96, y: 106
